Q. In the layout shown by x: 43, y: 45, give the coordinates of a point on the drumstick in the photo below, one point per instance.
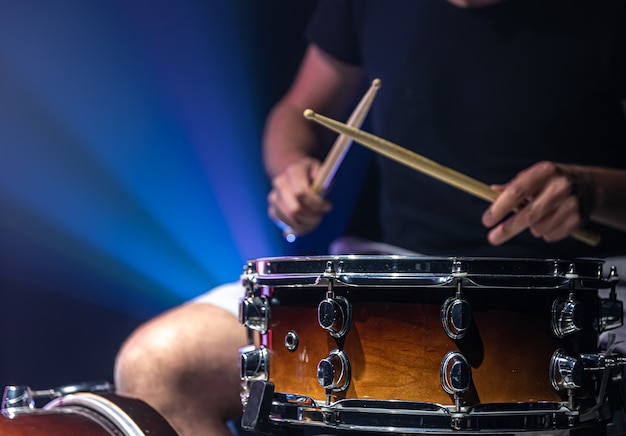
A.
x: 426, y: 166
x: 342, y: 143
x: 340, y: 148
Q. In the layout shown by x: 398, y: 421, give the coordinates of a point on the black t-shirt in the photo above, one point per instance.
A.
x: 488, y: 92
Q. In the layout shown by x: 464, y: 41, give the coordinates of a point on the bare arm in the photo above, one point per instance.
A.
x: 293, y: 146
x: 610, y: 197
x: 323, y: 84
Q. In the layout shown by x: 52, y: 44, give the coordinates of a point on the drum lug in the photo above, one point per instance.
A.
x: 565, y: 371
x: 456, y: 312
x: 254, y: 313
x: 456, y: 375
x: 335, y: 315
x: 567, y: 317
x: 254, y: 363
x: 456, y: 317
x: 333, y: 372
x: 567, y: 314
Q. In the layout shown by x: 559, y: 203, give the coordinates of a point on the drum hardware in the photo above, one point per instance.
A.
x: 254, y: 310
x: 254, y: 363
x: 87, y: 408
x: 611, y: 314
x: 17, y: 398
x: 330, y: 273
x: 334, y: 313
x: 257, y: 411
x: 456, y: 378
x: 566, y: 371
x: 287, y: 411
x: 600, y: 361
x: 567, y: 314
x: 616, y: 376
x: 291, y: 340
x: 21, y: 398
x: 456, y: 312
x: 333, y: 373
x: 254, y: 313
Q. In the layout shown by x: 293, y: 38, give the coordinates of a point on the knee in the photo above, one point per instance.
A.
x: 190, y: 342
x: 144, y: 356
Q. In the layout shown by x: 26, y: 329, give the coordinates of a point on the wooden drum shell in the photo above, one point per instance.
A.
x: 396, y: 343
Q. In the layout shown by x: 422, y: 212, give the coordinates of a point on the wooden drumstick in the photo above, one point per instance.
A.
x: 340, y: 148
x: 426, y: 166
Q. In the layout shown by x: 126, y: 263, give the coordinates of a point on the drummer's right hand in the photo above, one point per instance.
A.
x: 293, y: 201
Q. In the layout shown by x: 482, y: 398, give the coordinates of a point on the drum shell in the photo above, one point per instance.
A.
x: 83, y: 420
x: 396, y: 343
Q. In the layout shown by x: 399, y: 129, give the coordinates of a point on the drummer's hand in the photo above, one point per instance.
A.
x: 292, y: 200
x: 546, y: 200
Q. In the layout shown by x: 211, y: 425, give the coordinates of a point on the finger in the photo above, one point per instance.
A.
x: 554, y: 200
x: 560, y: 223
x: 552, y: 215
x: 517, y: 193
x: 498, y: 188
x: 518, y: 222
x: 299, y: 204
x: 295, y: 185
x: 302, y: 211
x: 507, y: 229
x: 286, y: 209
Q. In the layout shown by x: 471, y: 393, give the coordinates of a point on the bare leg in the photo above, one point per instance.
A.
x: 184, y: 363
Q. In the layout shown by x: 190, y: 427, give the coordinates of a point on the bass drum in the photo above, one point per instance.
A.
x: 85, y: 414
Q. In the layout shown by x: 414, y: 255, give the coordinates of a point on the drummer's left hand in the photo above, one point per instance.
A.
x: 545, y: 200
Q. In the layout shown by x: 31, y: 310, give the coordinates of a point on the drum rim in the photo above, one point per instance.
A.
x: 350, y: 414
x: 100, y: 405
x: 424, y: 270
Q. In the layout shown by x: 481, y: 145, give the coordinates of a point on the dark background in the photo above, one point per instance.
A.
x: 130, y: 172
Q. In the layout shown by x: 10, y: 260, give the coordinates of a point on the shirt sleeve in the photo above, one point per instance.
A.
x: 332, y: 28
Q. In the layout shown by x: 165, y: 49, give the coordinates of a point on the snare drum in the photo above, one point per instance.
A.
x: 409, y: 344
x: 71, y: 412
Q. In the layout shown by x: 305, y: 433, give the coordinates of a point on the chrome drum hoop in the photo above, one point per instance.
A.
x: 92, y: 405
x: 365, y: 415
x: 378, y: 270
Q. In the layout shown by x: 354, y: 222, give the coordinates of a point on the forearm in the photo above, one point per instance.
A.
x: 609, y: 203
x: 323, y: 84
x: 288, y: 137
